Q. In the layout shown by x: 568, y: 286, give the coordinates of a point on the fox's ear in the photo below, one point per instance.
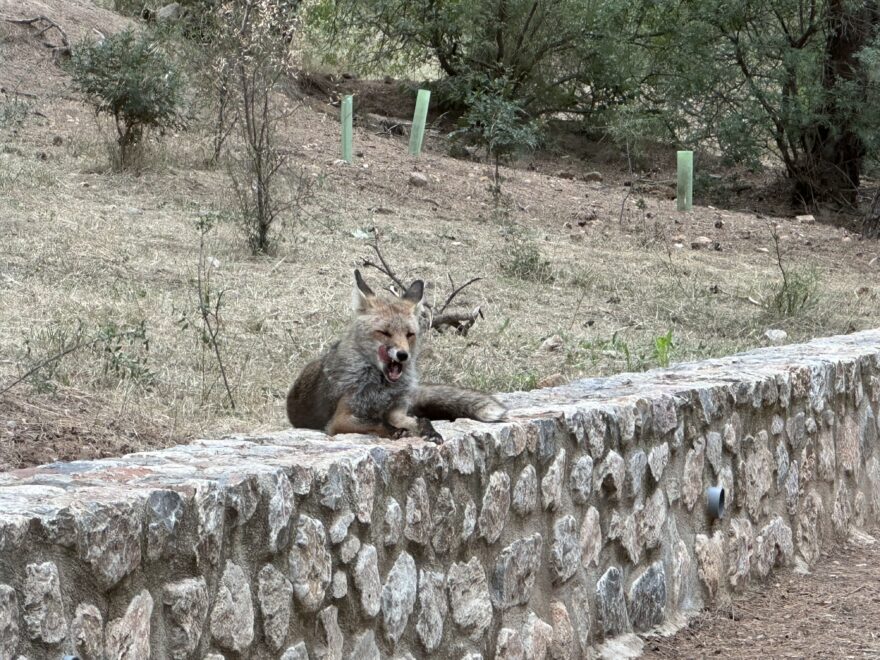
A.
x: 362, y: 294
x: 415, y: 292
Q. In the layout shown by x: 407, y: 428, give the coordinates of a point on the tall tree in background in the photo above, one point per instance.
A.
x: 548, y: 51
x: 839, y: 145
x: 789, y: 76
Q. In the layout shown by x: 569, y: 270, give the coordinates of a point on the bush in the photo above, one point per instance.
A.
x: 526, y: 263
x: 497, y: 122
x: 127, y: 77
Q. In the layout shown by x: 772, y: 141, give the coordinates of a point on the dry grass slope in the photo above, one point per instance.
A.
x: 83, y: 251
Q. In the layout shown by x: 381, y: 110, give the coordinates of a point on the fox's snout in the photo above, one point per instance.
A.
x: 397, y: 354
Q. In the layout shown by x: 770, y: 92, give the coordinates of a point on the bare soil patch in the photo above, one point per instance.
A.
x: 833, y: 612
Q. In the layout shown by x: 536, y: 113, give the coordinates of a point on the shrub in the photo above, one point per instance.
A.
x: 527, y: 263
x: 497, y: 122
x: 127, y: 77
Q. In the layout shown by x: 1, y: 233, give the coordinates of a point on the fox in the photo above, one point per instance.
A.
x: 367, y: 381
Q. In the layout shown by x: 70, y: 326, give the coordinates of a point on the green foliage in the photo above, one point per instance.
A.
x: 14, y: 109
x: 128, y: 78
x: 525, y: 262
x: 497, y: 122
x: 555, y: 54
x: 121, y: 354
x: 797, y: 290
x: 795, y: 80
x: 616, y: 348
x: 124, y: 352
x: 795, y: 294
x: 663, y: 348
x: 790, y: 79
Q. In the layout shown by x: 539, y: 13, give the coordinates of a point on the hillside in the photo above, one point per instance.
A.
x: 579, y: 276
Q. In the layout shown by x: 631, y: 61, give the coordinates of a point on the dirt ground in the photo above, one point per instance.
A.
x: 604, y: 269
x: 833, y: 612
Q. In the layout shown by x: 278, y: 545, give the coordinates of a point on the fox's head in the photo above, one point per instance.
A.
x: 389, y: 329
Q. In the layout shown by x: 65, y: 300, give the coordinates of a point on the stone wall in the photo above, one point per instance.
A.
x: 582, y: 519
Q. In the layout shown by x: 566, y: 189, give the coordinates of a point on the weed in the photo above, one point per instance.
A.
x: 797, y: 292
x: 14, y: 109
x: 526, y: 262
x: 43, y: 373
x: 124, y: 352
x: 663, y: 348
x: 209, y: 303
x: 616, y: 348
x: 128, y: 78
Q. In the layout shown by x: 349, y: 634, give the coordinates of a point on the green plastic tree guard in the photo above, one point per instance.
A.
x: 346, y: 128
x: 685, y: 192
x: 418, y: 126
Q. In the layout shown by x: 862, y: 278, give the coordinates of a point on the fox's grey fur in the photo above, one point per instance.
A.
x: 348, y: 388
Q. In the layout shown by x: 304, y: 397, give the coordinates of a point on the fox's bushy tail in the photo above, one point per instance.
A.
x: 446, y: 402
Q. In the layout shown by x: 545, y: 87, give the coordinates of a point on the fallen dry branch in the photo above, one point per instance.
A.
x: 456, y: 291
x: 461, y: 322
x: 63, y: 49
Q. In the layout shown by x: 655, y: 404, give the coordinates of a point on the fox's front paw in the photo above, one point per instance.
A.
x: 428, y: 432
x: 396, y: 434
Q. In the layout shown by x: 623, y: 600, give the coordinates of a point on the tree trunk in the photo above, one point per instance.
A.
x: 833, y: 167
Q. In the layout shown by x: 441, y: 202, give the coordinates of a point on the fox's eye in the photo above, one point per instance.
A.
x: 410, y: 335
x: 384, y: 334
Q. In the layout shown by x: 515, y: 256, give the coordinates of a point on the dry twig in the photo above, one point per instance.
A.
x: 461, y: 322
x: 63, y: 49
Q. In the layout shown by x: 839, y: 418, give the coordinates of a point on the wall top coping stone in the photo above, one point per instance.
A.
x: 45, y: 490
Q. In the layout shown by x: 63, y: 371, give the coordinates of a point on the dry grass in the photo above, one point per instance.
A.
x: 82, y: 246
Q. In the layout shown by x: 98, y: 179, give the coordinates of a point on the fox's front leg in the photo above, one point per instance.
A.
x: 344, y: 421
x: 420, y: 426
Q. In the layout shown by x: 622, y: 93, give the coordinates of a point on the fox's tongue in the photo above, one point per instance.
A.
x: 394, y: 370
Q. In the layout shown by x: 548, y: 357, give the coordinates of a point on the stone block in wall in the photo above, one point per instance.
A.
x: 581, y: 480
x: 9, y: 630
x: 399, y: 596
x: 563, y: 645
x: 552, y: 483
x: 393, y: 525
x: 310, y: 563
x: 232, y: 617
x: 418, y: 513
x: 445, y: 536
x: 692, y: 476
x: 367, y: 580
x: 657, y: 460
x: 710, y: 561
x: 469, y: 599
x: 496, y: 506
x: 433, y: 608
x: 164, y: 511
x: 275, y: 597
x: 565, y: 549
x: 186, y: 609
x: 590, y: 538
x: 611, y: 475
x: 86, y: 632
x: 43, y: 610
x: 509, y: 645
x: 128, y: 637
x: 516, y: 568
x: 647, y: 598
x: 537, y: 636
x: 611, y: 603
x: 525, y: 491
